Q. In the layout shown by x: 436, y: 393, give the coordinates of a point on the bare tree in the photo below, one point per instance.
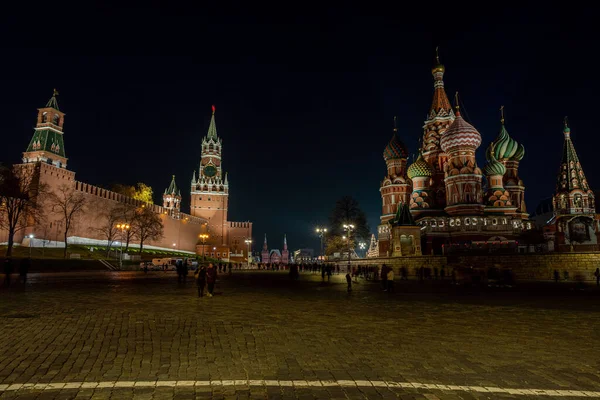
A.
x: 69, y: 204
x: 148, y: 226
x: 127, y: 213
x: 19, y: 194
x: 108, y: 226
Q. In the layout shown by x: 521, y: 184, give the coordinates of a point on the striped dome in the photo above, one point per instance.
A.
x: 460, y: 134
x: 420, y: 169
x: 493, y: 167
x: 506, y: 148
x: 394, y: 149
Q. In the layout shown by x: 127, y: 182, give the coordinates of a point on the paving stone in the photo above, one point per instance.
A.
x: 133, y: 329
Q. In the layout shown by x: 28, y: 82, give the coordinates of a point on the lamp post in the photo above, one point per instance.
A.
x: 123, y: 227
x: 248, y: 242
x: 349, y: 228
x: 30, y: 240
x: 362, y: 246
x: 321, y: 232
x: 203, y: 237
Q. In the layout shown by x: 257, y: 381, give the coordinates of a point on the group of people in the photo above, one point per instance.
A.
x: 9, y: 270
x: 206, y: 277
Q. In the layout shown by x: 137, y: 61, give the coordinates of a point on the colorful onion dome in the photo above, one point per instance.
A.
x: 420, y: 169
x: 493, y: 167
x: 460, y: 134
x: 506, y: 148
x: 395, y: 148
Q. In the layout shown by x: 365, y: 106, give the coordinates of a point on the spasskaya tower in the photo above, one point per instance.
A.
x: 210, y: 191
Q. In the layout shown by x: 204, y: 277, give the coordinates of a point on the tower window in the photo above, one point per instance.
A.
x: 45, y: 117
x: 55, y: 119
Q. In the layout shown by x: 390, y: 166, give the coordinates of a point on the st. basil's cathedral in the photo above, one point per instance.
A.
x: 439, y: 203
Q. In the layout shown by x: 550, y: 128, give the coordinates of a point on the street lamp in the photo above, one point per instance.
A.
x: 203, y: 237
x: 362, y: 246
x: 349, y: 228
x: 30, y: 240
x: 321, y: 232
x: 248, y: 242
x: 123, y: 227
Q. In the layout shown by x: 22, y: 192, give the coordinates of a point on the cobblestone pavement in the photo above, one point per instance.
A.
x: 122, y: 335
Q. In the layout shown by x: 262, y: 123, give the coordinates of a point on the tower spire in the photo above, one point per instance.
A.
x: 52, y: 102
x: 502, y: 115
x: 440, y: 105
x: 212, y: 128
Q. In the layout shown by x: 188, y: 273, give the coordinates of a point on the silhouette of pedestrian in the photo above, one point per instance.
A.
x: 184, y: 269
x: 201, y: 280
x: 328, y: 273
x: 179, y: 268
x: 349, y: 281
x: 8, y: 270
x: 24, y: 269
x: 556, y: 276
x: 597, y: 275
x: 390, y: 280
x: 384, y: 271
x: 211, y: 278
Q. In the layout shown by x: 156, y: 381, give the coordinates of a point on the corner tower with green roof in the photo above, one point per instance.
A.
x: 172, y: 197
x: 47, y: 144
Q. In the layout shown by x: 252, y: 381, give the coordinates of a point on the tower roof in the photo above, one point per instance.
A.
x: 440, y: 105
x: 172, y: 189
x: 395, y: 148
x: 460, y: 134
x: 570, y: 176
x: 403, y: 216
x: 52, y: 103
x: 420, y: 168
x: 505, y: 147
x: 212, y: 128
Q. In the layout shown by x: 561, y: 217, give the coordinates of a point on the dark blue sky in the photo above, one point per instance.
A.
x: 305, y: 101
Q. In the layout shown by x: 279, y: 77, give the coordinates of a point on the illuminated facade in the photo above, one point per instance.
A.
x: 444, y: 187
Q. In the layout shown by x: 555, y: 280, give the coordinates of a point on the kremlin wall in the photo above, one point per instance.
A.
x: 45, y: 159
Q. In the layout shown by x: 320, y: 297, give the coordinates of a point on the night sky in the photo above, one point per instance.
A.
x: 305, y: 98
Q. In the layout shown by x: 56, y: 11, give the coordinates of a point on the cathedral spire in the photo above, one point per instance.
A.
x: 212, y: 128
x: 440, y: 105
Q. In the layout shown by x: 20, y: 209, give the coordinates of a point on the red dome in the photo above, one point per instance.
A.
x: 460, y: 134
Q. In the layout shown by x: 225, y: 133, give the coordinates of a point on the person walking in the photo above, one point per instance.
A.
x: 556, y: 276
x: 230, y: 267
x: 328, y: 273
x: 349, y: 281
x: 24, y: 269
x: 8, y: 270
x: 597, y: 275
x: 390, y: 280
x: 384, y: 271
x: 184, y: 269
x: 179, y: 268
x: 201, y: 279
x: 211, y: 278
x: 322, y: 273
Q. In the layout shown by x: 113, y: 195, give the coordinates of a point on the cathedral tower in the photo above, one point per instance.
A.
x: 264, y: 255
x: 462, y: 176
x: 396, y: 187
x: 172, y: 198
x: 438, y: 120
x: 510, y: 153
x: 47, y: 143
x: 421, y: 174
x: 573, y: 195
x: 210, y: 191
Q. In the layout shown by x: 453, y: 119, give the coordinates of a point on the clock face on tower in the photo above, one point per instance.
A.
x: 210, y: 171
